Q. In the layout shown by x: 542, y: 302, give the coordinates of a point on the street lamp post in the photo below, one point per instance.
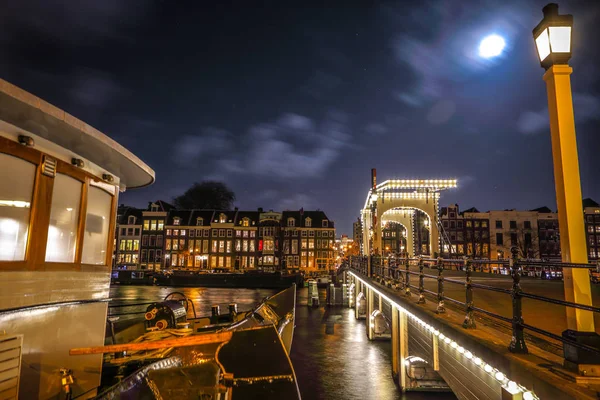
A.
x: 552, y: 38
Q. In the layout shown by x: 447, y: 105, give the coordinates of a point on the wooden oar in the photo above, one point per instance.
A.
x: 191, y: 340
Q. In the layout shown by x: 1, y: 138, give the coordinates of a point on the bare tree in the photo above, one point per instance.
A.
x: 526, y: 241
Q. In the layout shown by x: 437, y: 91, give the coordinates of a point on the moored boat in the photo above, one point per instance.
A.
x: 245, y: 354
x: 252, y: 280
x: 61, y: 181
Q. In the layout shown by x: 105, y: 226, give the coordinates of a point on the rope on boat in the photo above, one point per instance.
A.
x: 152, y: 336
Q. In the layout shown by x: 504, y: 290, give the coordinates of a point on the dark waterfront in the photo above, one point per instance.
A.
x: 331, y: 354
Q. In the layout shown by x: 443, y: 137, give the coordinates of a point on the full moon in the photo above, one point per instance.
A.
x: 491, y: 46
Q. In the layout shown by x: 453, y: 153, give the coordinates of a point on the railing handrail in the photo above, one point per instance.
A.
x: 401, y: 272
x: 523, y: 261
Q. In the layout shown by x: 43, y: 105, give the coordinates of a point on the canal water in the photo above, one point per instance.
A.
x: 332, y: 356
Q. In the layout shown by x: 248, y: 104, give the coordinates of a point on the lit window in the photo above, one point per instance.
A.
x: 199, y: 221
x: 251, y: 243
x: 182, y: 232
x: 245, y: 222
x: 147, y: 225
x: 222, y: 218
x: 64, y: 218
x: 96, y: 226
x: 161, y: 224
x: 17, y: 178
x: 153, y: 225
x: 176, y: 221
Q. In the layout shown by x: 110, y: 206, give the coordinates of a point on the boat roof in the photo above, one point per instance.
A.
x: 32, y: 114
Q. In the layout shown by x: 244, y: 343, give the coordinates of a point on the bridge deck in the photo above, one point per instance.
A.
x: 541, y: 369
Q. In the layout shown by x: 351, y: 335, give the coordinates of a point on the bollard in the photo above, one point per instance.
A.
x: 407, y: 278
x: 469, y: 321
x: 440, y: 267
x: 421, y: 282
x: 517, y: 342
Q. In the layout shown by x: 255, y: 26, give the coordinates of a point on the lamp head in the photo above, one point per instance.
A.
x: 552, y: 37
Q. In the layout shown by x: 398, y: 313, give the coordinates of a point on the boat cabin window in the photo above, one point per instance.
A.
x: 17, y: 177
x: 97, y: 219
x: 45, y: 220
x: 64, y: 219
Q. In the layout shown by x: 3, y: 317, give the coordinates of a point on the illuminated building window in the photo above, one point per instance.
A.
x: 199, y: 221
x: 222, y: 218
x: 176, y: 221
x: 245, y: 222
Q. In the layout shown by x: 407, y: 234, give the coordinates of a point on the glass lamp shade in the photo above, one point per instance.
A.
x: 552, y: 37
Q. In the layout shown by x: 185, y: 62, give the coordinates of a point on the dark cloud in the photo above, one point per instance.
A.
x: 292, y: 107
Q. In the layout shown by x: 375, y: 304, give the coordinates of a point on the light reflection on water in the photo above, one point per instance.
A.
x: 331, y: 354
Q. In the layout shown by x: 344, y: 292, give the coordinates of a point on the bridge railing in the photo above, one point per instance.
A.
x: 397, y: 274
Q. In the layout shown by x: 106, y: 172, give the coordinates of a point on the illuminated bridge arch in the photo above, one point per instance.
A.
x: 402, y: 194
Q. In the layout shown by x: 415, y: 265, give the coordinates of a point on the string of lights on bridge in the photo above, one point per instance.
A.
x: 510, y: 386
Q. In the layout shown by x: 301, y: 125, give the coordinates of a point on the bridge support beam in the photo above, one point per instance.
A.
x: 399, y: 346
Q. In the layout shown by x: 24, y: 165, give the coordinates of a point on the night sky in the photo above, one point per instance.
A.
x: 292, y: 106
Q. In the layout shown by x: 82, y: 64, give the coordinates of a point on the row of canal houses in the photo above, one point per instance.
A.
x: 163, y: 237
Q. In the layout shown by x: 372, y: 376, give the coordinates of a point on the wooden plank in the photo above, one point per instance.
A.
x: 10, y: 343
x: 12, y: 363
x: 9, y: 374
x: 8, y: 394
x: 8, y: 384
x: 192, y: 340
x: 8, y: 354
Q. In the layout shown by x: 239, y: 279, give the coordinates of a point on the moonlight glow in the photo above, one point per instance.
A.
x: 491, y: 46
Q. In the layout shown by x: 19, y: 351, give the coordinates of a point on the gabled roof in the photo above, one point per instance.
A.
x: 230, y: 215
x: 123, y: 213
x: 162, y: 205
x: 253, y: 216
x: 183, y: 215
x: 588, y: 202
x: 317, y: 218
x: 470, y: 210
x: 206, y: 215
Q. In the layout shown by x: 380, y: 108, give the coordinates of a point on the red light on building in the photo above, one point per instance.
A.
x: 260, y: 245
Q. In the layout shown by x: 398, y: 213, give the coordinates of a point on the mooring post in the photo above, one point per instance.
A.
x: 469, y: 321
x: 440, y: 267
x: 517, y: 342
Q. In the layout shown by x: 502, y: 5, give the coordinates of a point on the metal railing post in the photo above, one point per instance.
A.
x: 469, y: 321
x: 421, y: 282
x: 440, y: 267
x: 407, y: 278
x: 517, y: 342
